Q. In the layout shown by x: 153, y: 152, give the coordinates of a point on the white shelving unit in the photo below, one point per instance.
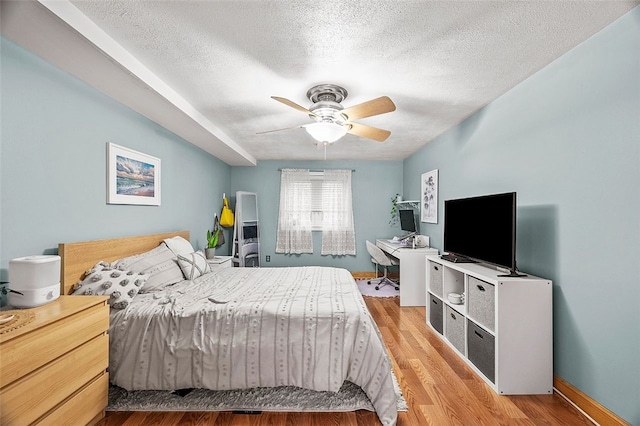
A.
x: 411, y: 204
x: 503, y: 329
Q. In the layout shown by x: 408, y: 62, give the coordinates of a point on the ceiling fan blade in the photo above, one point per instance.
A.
x: 292, y: 105
x: 278, y: 130
x: 376, y: 106
x: 369, y: 132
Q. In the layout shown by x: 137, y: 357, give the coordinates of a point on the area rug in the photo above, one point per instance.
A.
x: 284, y: 398
x: 370, y: 289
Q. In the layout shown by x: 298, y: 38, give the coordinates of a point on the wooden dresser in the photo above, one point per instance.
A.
x: 53, y: 368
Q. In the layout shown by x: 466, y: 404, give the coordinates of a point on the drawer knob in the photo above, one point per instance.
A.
x: 436, y: 268
x: 478, y: 334
x: 481, y: 288
x: 453, y: 316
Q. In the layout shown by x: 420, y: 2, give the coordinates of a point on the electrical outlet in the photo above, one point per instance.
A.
x: 268, y: 258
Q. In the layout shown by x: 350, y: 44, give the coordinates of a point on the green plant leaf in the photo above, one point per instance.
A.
x: 212, y: 238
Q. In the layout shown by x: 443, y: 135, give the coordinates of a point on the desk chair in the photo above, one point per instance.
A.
x: 380, y: 258
x: 249, y: 253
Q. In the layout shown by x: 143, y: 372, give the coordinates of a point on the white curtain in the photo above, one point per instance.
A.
x: 294, y: 220
x: 338, y: 233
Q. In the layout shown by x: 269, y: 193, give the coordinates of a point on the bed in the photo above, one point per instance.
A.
x: 237, y: 328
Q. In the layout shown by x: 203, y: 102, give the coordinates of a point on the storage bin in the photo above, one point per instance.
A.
x: 481, y: 303
x: 481, y: 350
x: 435, y: 313
x: 454, y: 328
x: 435, y: 278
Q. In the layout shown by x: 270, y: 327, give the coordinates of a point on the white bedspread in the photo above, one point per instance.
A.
x: 253, y: 327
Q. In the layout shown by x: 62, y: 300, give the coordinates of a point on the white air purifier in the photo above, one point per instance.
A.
x: 34, y: 280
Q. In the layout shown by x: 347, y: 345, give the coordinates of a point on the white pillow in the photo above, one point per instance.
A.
x: 179, y: 246
x: 104, y: 280
x: 160, y: 263
x: 194, y: 265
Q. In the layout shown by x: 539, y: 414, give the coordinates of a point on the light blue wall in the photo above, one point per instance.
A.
x: 374, y: 183
x: 568, y: 141
x: 54, y: 132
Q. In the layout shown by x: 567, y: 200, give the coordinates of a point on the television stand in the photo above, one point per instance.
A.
x: 456, y: 259
x: 502, y: 328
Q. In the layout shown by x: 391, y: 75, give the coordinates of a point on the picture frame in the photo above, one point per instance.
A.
x: 132, y: 177
x: 429, y: 197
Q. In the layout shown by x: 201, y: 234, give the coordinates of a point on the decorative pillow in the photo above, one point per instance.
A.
x: 194, y: 265
x: 160, y: 264
x: 103, y: 280
x: 179, y: 246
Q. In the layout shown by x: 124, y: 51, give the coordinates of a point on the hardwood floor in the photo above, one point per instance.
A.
x: 439, y: 388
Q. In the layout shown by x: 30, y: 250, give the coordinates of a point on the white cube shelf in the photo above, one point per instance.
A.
x: 504, y: 328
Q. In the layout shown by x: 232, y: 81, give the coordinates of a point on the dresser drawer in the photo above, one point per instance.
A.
x: 30, y: 351
x: 29, y: 398
x: 82, y: 407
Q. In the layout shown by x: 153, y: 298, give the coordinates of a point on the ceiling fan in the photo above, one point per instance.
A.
x: 333, y: 121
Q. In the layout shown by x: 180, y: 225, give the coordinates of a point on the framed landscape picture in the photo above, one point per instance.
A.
x: 429, y: 197
x: 132, y: 177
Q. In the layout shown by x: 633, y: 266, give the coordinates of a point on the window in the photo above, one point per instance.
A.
x: 316, y: 201
x: 320, y: 190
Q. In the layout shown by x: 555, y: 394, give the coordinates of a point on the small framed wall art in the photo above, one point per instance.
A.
x: 132, y: 177
x: 429, y: 197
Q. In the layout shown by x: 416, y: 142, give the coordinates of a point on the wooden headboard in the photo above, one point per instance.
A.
x: 79, y: 257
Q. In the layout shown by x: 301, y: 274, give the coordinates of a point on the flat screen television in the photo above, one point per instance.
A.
x: 482, y: 229
x: 407, y: 220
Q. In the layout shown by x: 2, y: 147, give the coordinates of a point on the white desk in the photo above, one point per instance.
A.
x: 412, y: 271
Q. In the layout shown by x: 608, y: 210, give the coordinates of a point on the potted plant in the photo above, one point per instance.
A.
x: 212, y: 242
x: 394, y: 209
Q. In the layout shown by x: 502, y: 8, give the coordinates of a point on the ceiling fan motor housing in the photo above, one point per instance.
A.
x: 326, y: 100
x: 327, y: 92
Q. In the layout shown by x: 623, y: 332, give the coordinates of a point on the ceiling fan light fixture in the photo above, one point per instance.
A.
x: 333, y: 121
x: 326, y: 132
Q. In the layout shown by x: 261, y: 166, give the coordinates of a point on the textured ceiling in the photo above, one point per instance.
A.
x: 220, y: 61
